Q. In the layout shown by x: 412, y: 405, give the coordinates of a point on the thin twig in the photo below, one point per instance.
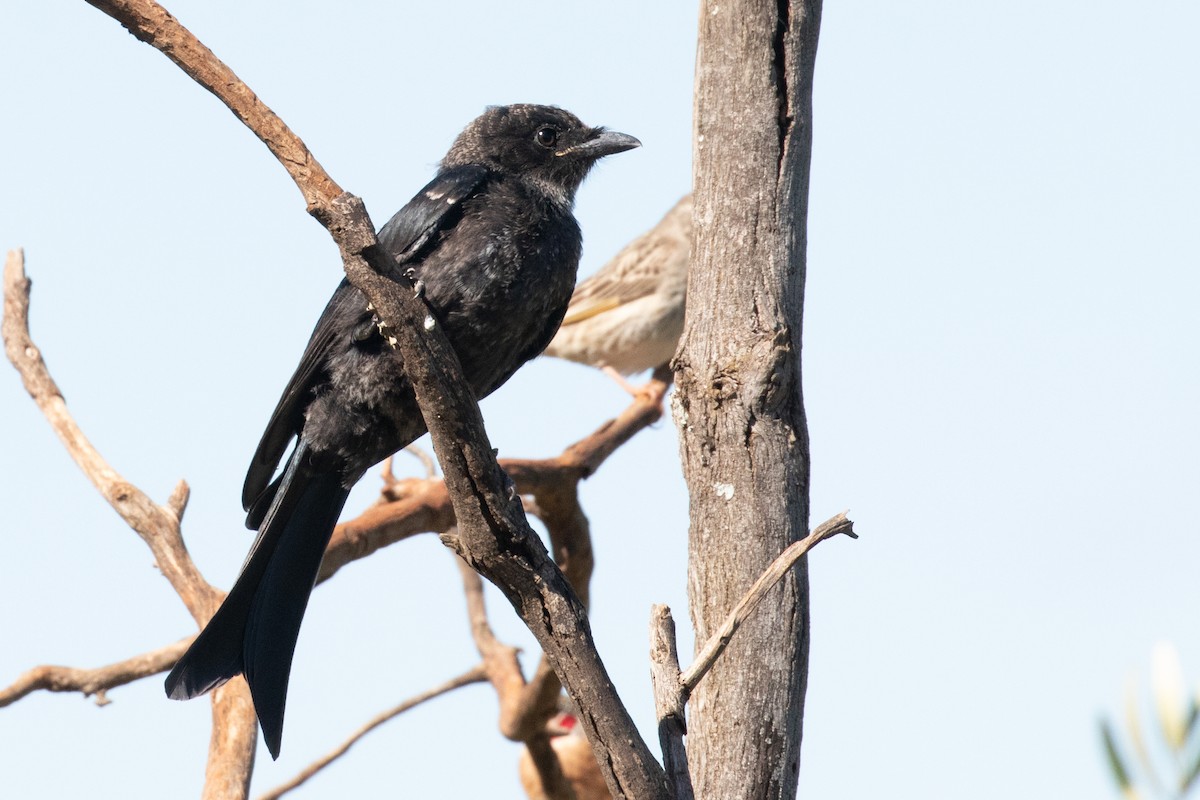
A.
x: 673, y: 688
x: 476, y: 674
x: 717, y: 643
x: 94, y: 681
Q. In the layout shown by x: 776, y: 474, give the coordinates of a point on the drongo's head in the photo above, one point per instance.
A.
x: 543, y: 144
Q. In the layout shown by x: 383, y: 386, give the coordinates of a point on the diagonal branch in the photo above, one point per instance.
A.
x: 158, y: 526
x: 494, y: 536
x: 154, y: 25
x: 672, y: 689
x: 717, y: 643
x: 407, y: 507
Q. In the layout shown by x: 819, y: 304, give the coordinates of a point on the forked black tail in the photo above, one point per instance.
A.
x: 254, y: 631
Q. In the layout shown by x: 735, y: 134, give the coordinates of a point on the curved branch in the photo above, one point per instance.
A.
x: 720, y: 639
x: 158, y: 526
x: 231, y: 748
x: 525, y: 708
x: 475, y: 675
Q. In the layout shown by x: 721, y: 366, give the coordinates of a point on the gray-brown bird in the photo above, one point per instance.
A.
x: 628, y: 317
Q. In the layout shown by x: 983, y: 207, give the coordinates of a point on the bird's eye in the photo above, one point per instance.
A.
x: 546, y: 137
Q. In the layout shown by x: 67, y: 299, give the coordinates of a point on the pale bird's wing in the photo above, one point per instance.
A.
x: 636, y: 271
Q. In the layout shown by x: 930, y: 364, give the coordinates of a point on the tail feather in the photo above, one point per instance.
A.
x: 254, y: 631
x: 273, y: 624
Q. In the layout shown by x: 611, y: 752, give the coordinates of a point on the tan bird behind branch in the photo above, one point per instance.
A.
x: 628, y: 317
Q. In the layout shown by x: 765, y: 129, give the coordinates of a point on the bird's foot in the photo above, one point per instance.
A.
x: 653, y: 390
x: 418, y: 284
x: 620, y: 379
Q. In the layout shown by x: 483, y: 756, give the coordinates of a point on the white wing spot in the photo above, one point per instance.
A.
x: 434, y: 195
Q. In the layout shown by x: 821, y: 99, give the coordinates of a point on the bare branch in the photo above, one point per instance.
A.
x: 745, y: 607
x: 584, y: 457
x: 669, y: 701
x: 177, y: 502
x: 410, y: 506
x: 476, y: 674
x: 419, y: 506
x: 500, y: 660
x: 158, y: 526
x: 231, y: 749
x: 524, y: 708
x: 154, y: 25
x: 672, y: 689
x: 94, y: 681
x: 232, y: 743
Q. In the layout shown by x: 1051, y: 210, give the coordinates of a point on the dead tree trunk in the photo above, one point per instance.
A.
x: 739, y: 408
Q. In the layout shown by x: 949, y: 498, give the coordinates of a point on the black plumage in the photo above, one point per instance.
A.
x: 493, y: 241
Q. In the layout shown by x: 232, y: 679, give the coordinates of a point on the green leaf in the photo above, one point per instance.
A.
x: 1115, y: 763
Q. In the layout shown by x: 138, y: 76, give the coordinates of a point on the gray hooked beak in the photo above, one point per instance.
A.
x: 604, y: 143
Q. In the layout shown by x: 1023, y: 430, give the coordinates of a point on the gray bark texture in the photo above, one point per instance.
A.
x: 738, y: 405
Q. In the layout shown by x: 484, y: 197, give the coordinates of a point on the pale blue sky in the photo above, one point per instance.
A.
x: 1001, y: 347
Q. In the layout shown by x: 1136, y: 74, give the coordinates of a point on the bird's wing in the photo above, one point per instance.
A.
x: 435, y: 208
x: 655, y: 259
x: 634, y: 272
x: 345, y: 312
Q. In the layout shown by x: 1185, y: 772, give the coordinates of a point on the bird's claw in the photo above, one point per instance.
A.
x: 418, y: 284
x: 385, y: 332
